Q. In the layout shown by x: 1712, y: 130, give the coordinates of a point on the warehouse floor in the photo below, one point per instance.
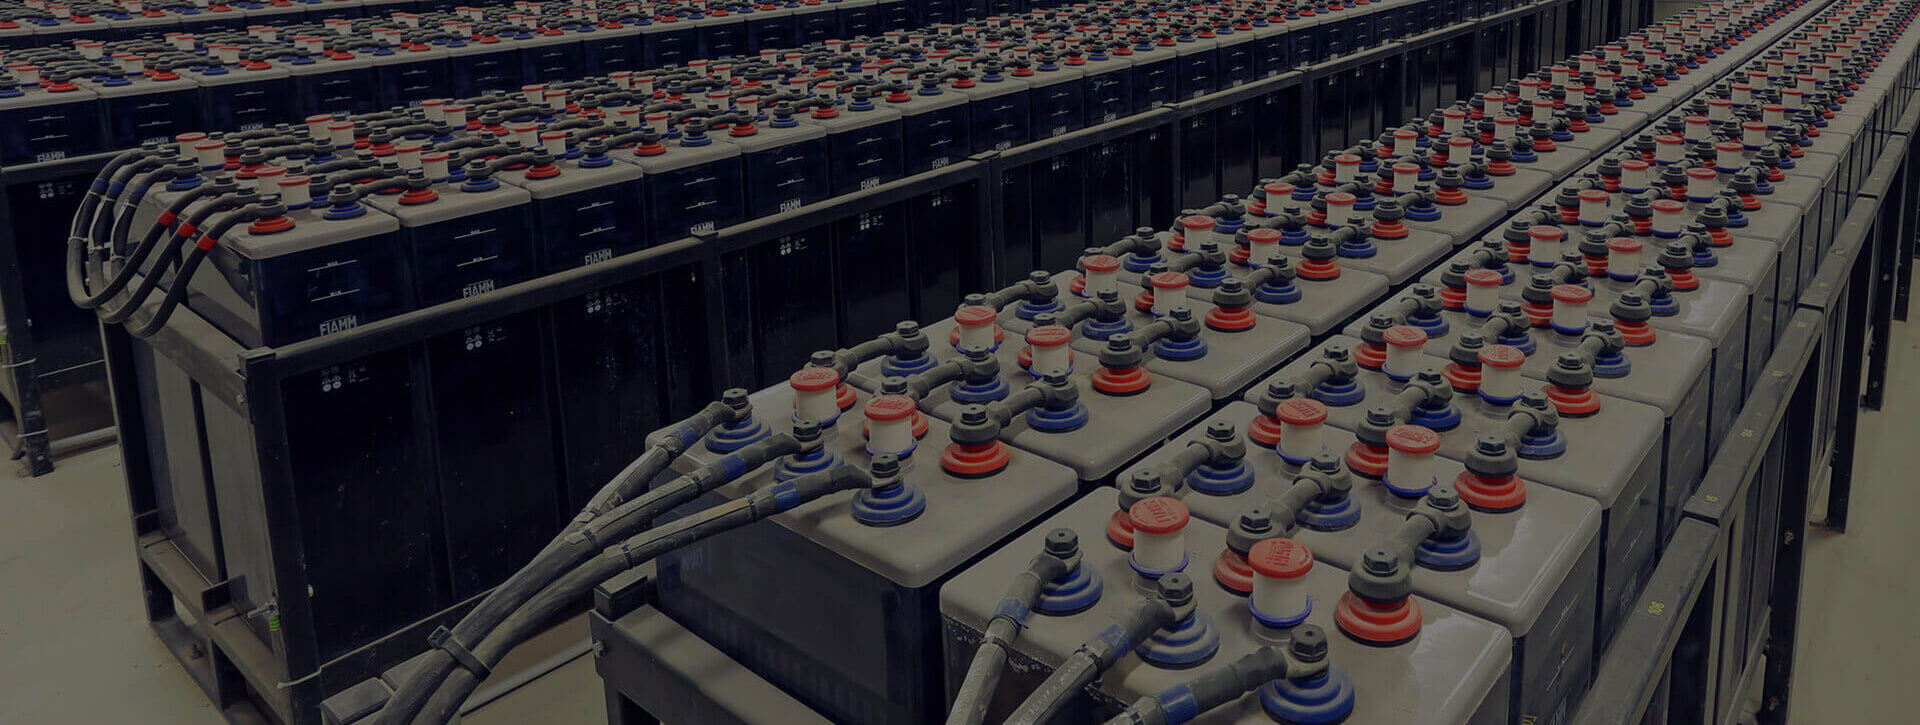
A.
x: 77, y: 649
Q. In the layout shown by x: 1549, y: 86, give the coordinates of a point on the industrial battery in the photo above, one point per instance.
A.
x: 1607, y: 449
x: 1532, y: 564
x: 866, y: 647
x: 1450, y: 667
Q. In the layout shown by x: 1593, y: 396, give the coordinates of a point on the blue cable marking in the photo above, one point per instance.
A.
x: 785, y: 495
x: 1177, y: 704
x: 1116, y: 638
x: 1013, y: 609
x: 733, y: 466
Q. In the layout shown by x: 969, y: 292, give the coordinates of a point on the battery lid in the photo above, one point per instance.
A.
x: 1159, y: 515
x: 1280, y: 558
x: 1418, y: 440
x: 889, y: 408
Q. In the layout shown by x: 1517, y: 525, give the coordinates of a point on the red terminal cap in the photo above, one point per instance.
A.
x: 975, y: 315
x: 1280, y: 558
x: 1668, y: 206
x: 1103, y: 263
x: 1406, y: 167
x: 1572, y: 294
x: 1406, y: 133
x: 1634, y: 164
x: 1168, y: 280
x: 1346, y: 159
x: 1593, y: 195
x: 1502, y: 356
x: 1049, y: 336
x: 1264, y: 235
x: 1619, y: 244
x: 1158, y: 515
x: 1483, y: 278
x: 1545, y: 233
x: 1197, y: 222
x: 1405, y: 336
x: 1341, y: 198
x: 1418, y: 440
x: 1702, y: 172
x: 890, y: 407
x: 1301, y: 411
x: 813, y: 379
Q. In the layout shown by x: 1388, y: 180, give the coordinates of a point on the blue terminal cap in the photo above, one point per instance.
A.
x: 1339, y: 394
x: 1323, y: 515
x: 734, y: 436
x: 1169, y: 348
x: 1449, y: 555
x: 799, y: 464
x: 1073, y: 592
x: 1064, y: 419
x: 898, y: 366
x: 1277, y: 293
x: 1221, y: 480
x: 1323, y: 700
x: 967, y: 393
x: 1096, y: 329
x: 890, y: 505
x: 1188, y: 644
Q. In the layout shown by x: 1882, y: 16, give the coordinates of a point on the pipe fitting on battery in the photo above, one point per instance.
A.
x: 1331, y: 378
x: 1532, y: 428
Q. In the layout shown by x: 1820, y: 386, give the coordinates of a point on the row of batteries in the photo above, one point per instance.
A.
x: 1465, y: 486
x: 1533, y: 410
x: 1098, y: 61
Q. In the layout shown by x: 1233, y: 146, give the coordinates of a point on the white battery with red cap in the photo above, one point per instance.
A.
x: 1593, y: 207
x: 1159, y: 536
x: 1339, y: 209
x: 1405, y: 345
x: 1410, y: 459
x: 1634, y: 177
x: 890, y: 425
x: 974, y: 325
x: 1262, y: 244
x: 436, y: 163
x: 1302, y: 429
x: 1668, y: 148
x: 1452, y: 120
x: 1346, y: 168
x: 1483, y: 291
x: 1280, y: 567
x: 1703, y: 184
x: 1500, y: 373
x: 1405, y: 143
x: 1406, y: 175
x: 295, y: 192
x: 1195, y: 230
x: 1169, y: 291
x: 1052, y: 354
x: 1102, y: 273
x: 1570, y: 306
x: 1669, y: 218
x: 1625, y: 256
x: 815, y: 396
x: 1543, y: 244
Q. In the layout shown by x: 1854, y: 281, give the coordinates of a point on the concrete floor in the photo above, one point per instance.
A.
x: 74, y: 646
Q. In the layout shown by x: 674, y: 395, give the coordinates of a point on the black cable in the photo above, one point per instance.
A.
x: 182, y: 282
x: 566, y: 553
x: 628, y: 554
x: 170, y: 251
x: 983, y: 674
x: 131, y: 267
x: 1304, y: 658
x: 1106, y: 647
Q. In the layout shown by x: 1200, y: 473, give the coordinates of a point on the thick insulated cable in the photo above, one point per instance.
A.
x: 170, y: 250
x: 637, y: 550
x: 177, y: 291
x: 1173, y: 602
x: 983, y: 674
x: 571, y: 550
x: 1305, y: 657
